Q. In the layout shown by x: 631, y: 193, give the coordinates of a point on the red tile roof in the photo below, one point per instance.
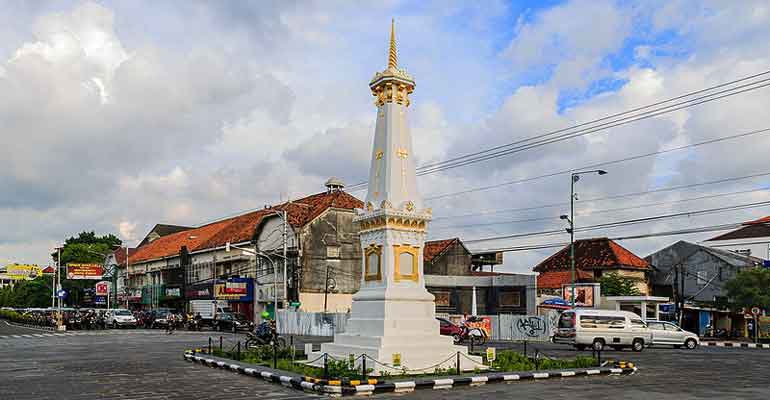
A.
x: 592, y: 254
x: 763, y: 220
x: 434, y: 248
x: 241, y: 228
x: 554, y: 279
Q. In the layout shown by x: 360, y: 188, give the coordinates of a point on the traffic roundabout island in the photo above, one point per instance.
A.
x: 396, y: 384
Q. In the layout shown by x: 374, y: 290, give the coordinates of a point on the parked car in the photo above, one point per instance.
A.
x: 447, y: 328
x: 232, y: 322
x: 599, y: 329
x: 160, y: 319
x: 120, y: 318
x: 668, y: 334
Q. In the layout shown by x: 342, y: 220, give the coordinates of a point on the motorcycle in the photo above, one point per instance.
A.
x: 264, y: 334
x: 194, y: 325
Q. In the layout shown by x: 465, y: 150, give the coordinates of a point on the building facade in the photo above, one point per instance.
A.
x: 694, y: 276
x: 217, y: 261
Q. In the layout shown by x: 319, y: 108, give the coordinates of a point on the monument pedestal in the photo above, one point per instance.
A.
x: 403, y: 323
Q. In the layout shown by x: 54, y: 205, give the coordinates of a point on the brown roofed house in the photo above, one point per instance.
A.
x: 593, y: 258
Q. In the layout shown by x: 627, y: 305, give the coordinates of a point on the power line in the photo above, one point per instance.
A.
x: 702, y: 229
x: 613, y: 197
x: 604, y: 211
x: 628, y: 222
x: 601, y: 164
x: 539, y: 140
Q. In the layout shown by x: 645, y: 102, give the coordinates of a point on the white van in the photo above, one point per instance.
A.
x: 599, y: 329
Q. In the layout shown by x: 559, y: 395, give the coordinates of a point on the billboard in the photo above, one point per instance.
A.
x: 102, y: 288
x: 84, y: 271
x: 234, y: 289
x: 22, y: 271
x: 584, y: 294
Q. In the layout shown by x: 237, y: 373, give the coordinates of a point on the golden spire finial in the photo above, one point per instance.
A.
x: 392, y: 58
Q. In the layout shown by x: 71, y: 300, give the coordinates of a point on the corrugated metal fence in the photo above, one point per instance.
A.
x: 310, y: 323
x: 503, y: 326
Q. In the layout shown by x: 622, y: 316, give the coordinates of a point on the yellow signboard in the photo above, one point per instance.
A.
x: 23, y: 271
x: 491, y: 355
x: 396, y: 359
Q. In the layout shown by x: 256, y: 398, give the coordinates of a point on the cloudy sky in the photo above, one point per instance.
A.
x: 117, y: 115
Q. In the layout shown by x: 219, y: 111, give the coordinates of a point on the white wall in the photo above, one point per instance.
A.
x: 760, y: 247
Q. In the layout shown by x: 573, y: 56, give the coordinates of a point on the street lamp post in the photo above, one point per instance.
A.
x: 571, y: 220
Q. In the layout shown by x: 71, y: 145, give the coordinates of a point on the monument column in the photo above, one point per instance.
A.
x: 393, y: 313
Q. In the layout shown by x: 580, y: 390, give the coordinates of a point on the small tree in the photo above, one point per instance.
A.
x: 613, y: 284
x: 750, y: 288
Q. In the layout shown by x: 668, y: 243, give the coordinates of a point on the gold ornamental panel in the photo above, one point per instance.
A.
x: 406, y: 262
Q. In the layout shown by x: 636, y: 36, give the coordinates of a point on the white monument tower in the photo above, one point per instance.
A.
x: 393, y: 313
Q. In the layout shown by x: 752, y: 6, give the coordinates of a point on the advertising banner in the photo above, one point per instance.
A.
x: 482, y: 323
x: 584, y: 295
x: 22, y: 271
x: 201, y: 291
x: 84, y: 271
x: 764, y: 327
x: 234, y: 289
x: 102, y: 288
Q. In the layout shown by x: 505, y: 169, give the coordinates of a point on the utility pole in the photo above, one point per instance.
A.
x: 285, y: 238
x: 571, y: 220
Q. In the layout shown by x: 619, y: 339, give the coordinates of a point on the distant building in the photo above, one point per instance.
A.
x: 695, y: 275
x: 451, y: 276
x: 752, y: 239
x: 593, y: 259
x: 174, y: 265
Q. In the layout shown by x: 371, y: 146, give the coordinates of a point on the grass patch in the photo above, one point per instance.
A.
x: 288, y: 360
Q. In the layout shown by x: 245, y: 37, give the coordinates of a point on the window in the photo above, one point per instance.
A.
x: 373, y: 263
x: 509, y: 299
x: 567, y: 320
x: 671, y: 327
x: 658, y: 326
x: 637, y: 323
x: 703, y: 277
x: 602, y: 322
x: 405, y: 267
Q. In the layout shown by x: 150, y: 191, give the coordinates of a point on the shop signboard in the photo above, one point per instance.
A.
x: 84, y: 271
x: 100, y: 300
x: 173, y: 292
x: 102, y: 288
x: 234, y: 289
x: 203, y: 291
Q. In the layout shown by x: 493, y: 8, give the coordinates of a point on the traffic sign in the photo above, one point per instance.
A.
x: 755, y: 310
x: 61, y: 293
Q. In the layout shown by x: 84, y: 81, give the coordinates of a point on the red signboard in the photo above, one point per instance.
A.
x: 236, y: 288
x: 102, y: 288
x: 84, y: 271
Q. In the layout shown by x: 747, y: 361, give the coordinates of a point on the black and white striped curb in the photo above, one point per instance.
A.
x: 30, y: 326
x: 737, y: 345
x: 301, y: 383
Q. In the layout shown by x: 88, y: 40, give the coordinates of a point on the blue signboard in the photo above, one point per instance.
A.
x: 100, y: 300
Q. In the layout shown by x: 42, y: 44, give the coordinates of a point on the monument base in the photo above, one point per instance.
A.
x: 401, y: 328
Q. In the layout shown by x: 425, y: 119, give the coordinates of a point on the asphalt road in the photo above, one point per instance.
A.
x: 139, y: 364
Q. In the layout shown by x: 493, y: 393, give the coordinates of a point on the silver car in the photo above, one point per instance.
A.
x: 668, y: 334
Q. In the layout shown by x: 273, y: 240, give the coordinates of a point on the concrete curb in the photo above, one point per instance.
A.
x: 301, y: 383
x: 737, y: 345
x: 30, y: 326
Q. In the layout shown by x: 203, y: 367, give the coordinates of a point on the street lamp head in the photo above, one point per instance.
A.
x: 602, y: 172
x: 563, y: 216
